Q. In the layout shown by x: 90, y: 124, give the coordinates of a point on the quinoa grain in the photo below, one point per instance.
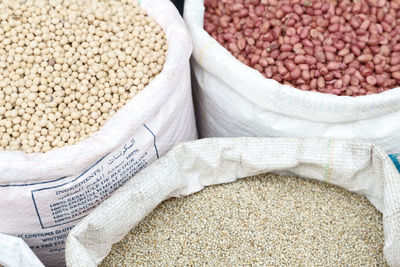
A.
x: 262, y: 220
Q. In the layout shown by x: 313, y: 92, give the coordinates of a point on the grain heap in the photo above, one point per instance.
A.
x: 67, y: 66
x: 268, y: 219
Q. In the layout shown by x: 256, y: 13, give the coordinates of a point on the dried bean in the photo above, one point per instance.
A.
x: 345, y: 46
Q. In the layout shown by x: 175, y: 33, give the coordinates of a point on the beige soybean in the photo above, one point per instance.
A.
x: 265, y: 220
x: 66, y: 66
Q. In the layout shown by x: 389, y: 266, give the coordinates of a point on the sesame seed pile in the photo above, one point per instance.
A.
x: 66, y: 66
x: 263, y: 220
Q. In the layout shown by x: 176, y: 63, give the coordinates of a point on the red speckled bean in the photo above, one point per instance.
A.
x: 286, y: 47
x: 349, y: 48
x: 320, y: 55
x: 305, y: 32
x: 313, y: 84
x: 344, y: 52
x: 241, y: 43
x: 254, y: 59
x: 304, y: 66
x: 310, y: 60
x: 324, y: 70
x: 263, y: 62
x: 298, y: 9
x: 282, y: 70
x: 346, y: 80
x: 309, y: 50
x: 359, y: 76
x: 356, y: 50
x: 348, y: 58
x: 258, y: 67
x: 295, y: 74
x: 299, y: 59
x: 329, y: 48
x: 330, y: 56
x: 321, y: 82
x: 354, y: 81
x: 365, y: 58
x: 395, y: 68
x: 371, y: 80
x: 290, y: 65
x: 305, y: 75
x: 274, y: 54
x: 395, y: 60
x: 338, y: 84
x: 333, y: 66
x: 396, y: 75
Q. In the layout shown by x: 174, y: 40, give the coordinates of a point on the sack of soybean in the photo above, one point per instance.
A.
x: 356, y: 166
x: 119, y: 51
x: 233, y: 99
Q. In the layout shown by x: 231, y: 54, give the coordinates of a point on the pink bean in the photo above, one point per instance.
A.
x: 338, y: 84
x: 295, y: 74
x: 396, y: 75
x: 304, y: 32
x: 365, y: 58
x: 330, y: 56
x: 298, y: 9
x: 320, y: 55
x: 290, y: 65
x: 304, y: 66
x: 263, y: 62
x: 286, y: 47
x: 324, y: 70
x: 347, y: 48
x: 299, y: 59
x: 321, y: 82
x: 241, y: 44
x: 333, y: 66
x: 287, y: 8
x: 309, y: 50
x: 282, y: 70
x: 310, y: 60
x: 371, y: 80
x: 305, y: 75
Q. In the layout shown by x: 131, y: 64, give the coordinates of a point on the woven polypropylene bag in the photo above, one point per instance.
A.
x: 42, y: 196
x: 233, y: 99
x: 14, y: 252
x: 356, y: 166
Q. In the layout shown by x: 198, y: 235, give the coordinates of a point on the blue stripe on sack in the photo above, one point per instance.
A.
x: 396, y: 160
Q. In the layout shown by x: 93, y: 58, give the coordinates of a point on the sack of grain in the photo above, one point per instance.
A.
x: 233, y: 99
x: 359, y: 167
x: 43, y: 195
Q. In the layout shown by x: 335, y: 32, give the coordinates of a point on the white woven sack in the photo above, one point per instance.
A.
x: 42, y: 196
x: 233, y: 99
x: 14, y: 252
x: 356, y: 166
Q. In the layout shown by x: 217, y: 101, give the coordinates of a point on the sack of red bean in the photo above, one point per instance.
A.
x: 91, y: 92
x: 297, y: 68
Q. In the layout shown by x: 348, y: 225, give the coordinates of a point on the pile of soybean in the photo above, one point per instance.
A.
x: 264, y: 220
x: 67, y: 66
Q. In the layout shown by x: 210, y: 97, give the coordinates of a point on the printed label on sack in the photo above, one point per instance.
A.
x: 54, y: 207
x: 396, y: 160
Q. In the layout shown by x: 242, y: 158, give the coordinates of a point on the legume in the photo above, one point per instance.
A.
x: 338, y: 47
x: 67, y: 66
